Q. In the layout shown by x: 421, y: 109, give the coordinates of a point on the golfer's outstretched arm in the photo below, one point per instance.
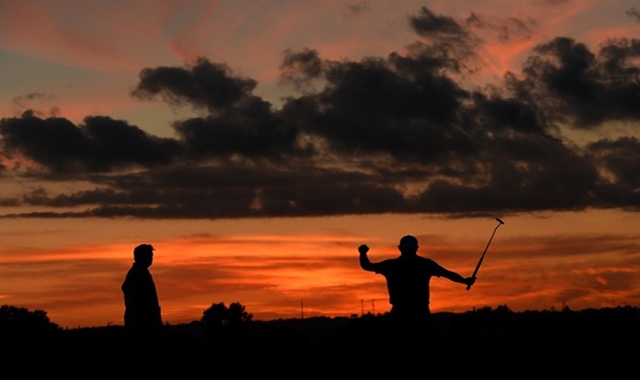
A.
x: 365, y: 263
x: 456, y: 277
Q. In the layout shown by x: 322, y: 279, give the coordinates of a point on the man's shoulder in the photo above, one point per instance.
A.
x: 392, y: 260
x: 386, y: 264
x: 425, y: 261
x: 138, y: 271
x: 417, y: 258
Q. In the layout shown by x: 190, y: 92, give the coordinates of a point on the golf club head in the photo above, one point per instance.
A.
x: 499, y: 220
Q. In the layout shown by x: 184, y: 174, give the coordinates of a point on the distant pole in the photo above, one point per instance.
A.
x: 373, y: 307
x: 361, y: 307
x: 301, y: 309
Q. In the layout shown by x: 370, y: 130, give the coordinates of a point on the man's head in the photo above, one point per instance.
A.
x: 408, y: 245
x: 143, y: 254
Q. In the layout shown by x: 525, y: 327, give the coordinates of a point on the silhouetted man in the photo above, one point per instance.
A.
x: 408, y: 278
x: 142, y: 309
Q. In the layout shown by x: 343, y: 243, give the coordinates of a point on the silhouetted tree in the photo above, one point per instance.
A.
x: 20, y: 320
x: 214, y: 317
x: 219, y: 316
x: 237, y: 314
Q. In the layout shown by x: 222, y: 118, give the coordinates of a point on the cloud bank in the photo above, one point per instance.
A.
x: 404, y: 133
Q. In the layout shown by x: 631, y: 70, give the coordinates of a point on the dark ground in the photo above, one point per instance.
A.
x: 483, y: 344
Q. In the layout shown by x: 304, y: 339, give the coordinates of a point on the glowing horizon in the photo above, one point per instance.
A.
x: 529, y: 266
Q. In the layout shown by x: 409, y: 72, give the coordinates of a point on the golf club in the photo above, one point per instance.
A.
x: 475, y: 272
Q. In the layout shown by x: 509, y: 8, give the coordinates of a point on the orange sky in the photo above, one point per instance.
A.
x: 279, y: 268
x: 239, y: 211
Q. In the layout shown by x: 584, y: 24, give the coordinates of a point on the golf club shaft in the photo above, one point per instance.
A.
x: 475, y: 271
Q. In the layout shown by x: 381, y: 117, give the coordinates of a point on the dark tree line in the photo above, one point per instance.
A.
x: 484, y: 343
x: 19, y: 320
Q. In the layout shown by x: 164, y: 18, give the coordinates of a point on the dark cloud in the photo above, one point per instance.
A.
x: 100, y: 144
x: 359, y: 7
x: 508, y: 29
x: 445, y: 40
x: 251, y: 129
x: 228, y: 192
x: 32, y: 100
x: 620, y: 163
x: 382, y: 106
x: 634, y: 14
x: 584, y: 89
x: 552, y: 2
x: 426, y: 23
x: 9, y: 202
x: 238, y: 122
x: 396, y: 134
x: 521, y: 173
x: 300, y: 68
x: 202, y: 84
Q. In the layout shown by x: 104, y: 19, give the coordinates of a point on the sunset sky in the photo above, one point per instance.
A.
x: 257, y: 144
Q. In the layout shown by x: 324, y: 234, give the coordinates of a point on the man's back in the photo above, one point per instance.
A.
x: 408, y: 279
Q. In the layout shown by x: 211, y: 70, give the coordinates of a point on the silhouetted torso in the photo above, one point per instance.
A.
x: 408, y: 280
x: 142, y: 309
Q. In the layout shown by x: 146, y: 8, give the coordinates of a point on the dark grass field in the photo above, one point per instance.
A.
x: 483, y: 344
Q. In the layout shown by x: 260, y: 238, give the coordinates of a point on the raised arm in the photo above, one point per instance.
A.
x: 365, y: 263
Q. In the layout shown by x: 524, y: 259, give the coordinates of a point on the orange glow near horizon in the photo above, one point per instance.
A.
x: 314, y: 270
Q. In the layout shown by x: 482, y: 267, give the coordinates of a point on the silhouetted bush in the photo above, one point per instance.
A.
x: 20, y: 321
x: 219, y: 317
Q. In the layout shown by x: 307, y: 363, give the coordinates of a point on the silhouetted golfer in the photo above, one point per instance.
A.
x: 142, y: 309
x: 408, y: 278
